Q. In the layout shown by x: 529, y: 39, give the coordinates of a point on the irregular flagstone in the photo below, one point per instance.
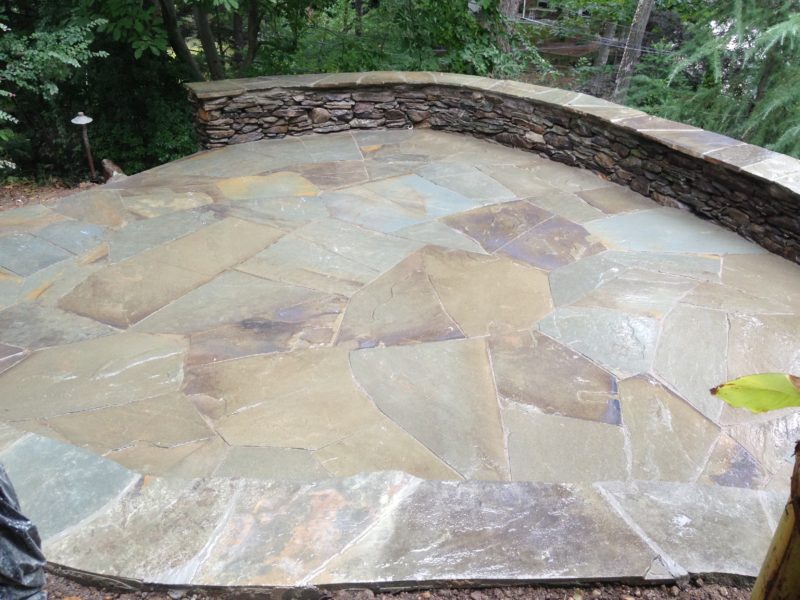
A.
x: 305, y: 326
x: 186, y: 461
x: 238, y: 160
x: 25, y: 254
x: 567, y: 205
x: 763, y: 344
x: 466, y: 180
x: 442, y: 394
x: 706, y: 529
x: 162, y: 202
x: 616, y: 199
x: 9, y: 436
x: 693, y: 373
x: 731, y: 300
x: 267, y: 186
x: 520, y: 181
x: 141, y: 235
x: 669, y: 440
x: 567, y: 178
x: 557, y: 449
x: 364, y: 208
x: 34, y: 326
x: 494, y: 532
x: 284, y: 213
x: 73, y: 236
x: 764, y: 273
x: 532, y: 369
x: 130, y: 537
x: 495, y: 226
x: 439, y: 234
x: 640, y: 292
x: 107, y: 371
x: 282, y: 535
x: 769, y: 438
x: 400, y: 307
x: 668, y: 230
x: 303, y: 262
x: 731, y: 465
x: 380, y: 167
x: 10, y: 355
x: 483, y: 293
x: 622, y: 343
x: 434, y: 200
x: 60, y: 485
x: 238, y: 298
x: 168, y: 420
x: 553, y: 243
x: 571, y: 282
x: 383, y: 446
x: 337, y: 147
x: 303, y: 399
x: 285, y: 464
x: 126, y: 292
x: 336, y: 174
x: 101, y: 206
x: 29, y: 218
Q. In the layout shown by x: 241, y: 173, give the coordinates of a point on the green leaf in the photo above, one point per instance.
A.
x: 762, y: 392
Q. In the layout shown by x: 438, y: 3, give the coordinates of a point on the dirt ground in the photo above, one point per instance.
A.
x: 16, y: 195
x: 61, y: 588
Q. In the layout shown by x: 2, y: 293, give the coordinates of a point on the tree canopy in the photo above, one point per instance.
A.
x: 727, y: 66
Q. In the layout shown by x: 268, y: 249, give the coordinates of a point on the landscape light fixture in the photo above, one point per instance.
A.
x: 82, y: 120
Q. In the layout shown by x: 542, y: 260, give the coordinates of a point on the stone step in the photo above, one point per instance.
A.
x: 382, y: 529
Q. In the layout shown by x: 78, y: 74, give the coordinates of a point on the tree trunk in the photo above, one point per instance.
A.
x: 238, y: 40
x: 633, y: 49
x: 170, y: 17
x: 510, y: 9
x: 779, y: 578
x: 359, y: 6
x: 208, y: 42
x: 253, y: 28
x: 601, y: 58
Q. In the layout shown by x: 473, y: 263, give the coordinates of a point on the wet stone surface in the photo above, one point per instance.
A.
x: 388, y: 356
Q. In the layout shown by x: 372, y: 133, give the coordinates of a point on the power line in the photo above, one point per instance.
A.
x: 603, y: 41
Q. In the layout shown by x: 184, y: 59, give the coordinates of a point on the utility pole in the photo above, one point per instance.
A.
x: 633, y: 49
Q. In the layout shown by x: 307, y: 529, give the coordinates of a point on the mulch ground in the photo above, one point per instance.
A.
x: 61, y: 588
x: 16, y: 195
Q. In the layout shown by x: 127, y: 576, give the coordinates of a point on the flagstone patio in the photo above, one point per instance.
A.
x: 389, y: 357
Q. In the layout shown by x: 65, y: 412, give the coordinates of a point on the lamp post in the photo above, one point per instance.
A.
x: 82, y: 120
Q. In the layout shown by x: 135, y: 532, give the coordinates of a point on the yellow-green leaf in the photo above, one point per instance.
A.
x: 762, y: 392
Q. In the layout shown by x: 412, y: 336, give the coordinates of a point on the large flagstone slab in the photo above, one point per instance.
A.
x: 552, y: 448
x: 466, y: 180
x: 107, y: 371
x: 616, y: 199
x: 731, y: 465
x: 266, y: 186
x: 706, y: 529
x: 624, y: 344
x: 303, y: 399
x: 169, y: 420
x: 73, y: 236
x: 693, y: 367
x: 284, y: 536
x: 486, y: 531
x: 533, y: 370
x: 185, y: 461
x: 235, y: 297
x: 123, y: 293
x: 130, y: 537
x: 763, y: 344
x: 566, y: 204
x: 24, y: 254
x: 495, y: 226
x: 285, y: 464
x: 332, y: 175
x: 61, y: 485
x: 553, y: 243
x: 439, y: 234
x: 101, y: 206
x: 163, y: 202
x: 442, y: 394
x: 668, y: 230
x: 669, y: 440
x: 32, y: 325
x: 763, y: 274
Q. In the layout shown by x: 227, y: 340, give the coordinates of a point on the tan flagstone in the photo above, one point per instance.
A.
x: 534, y: 370
x: 669, y: 440
x: 107, y: 371
x: 441, y: 393
x: 267, y: 186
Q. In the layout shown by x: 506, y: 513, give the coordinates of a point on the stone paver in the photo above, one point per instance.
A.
x: 390, y: 356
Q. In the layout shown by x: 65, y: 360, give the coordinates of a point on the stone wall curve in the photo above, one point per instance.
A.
x: 746, y: 188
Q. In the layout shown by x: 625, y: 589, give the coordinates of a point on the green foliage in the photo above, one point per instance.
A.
x: 130, y: 21
x: 761, y: 393
x: 736, y: 75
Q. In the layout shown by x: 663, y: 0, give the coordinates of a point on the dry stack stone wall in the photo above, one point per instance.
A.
x: 746, y: 188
